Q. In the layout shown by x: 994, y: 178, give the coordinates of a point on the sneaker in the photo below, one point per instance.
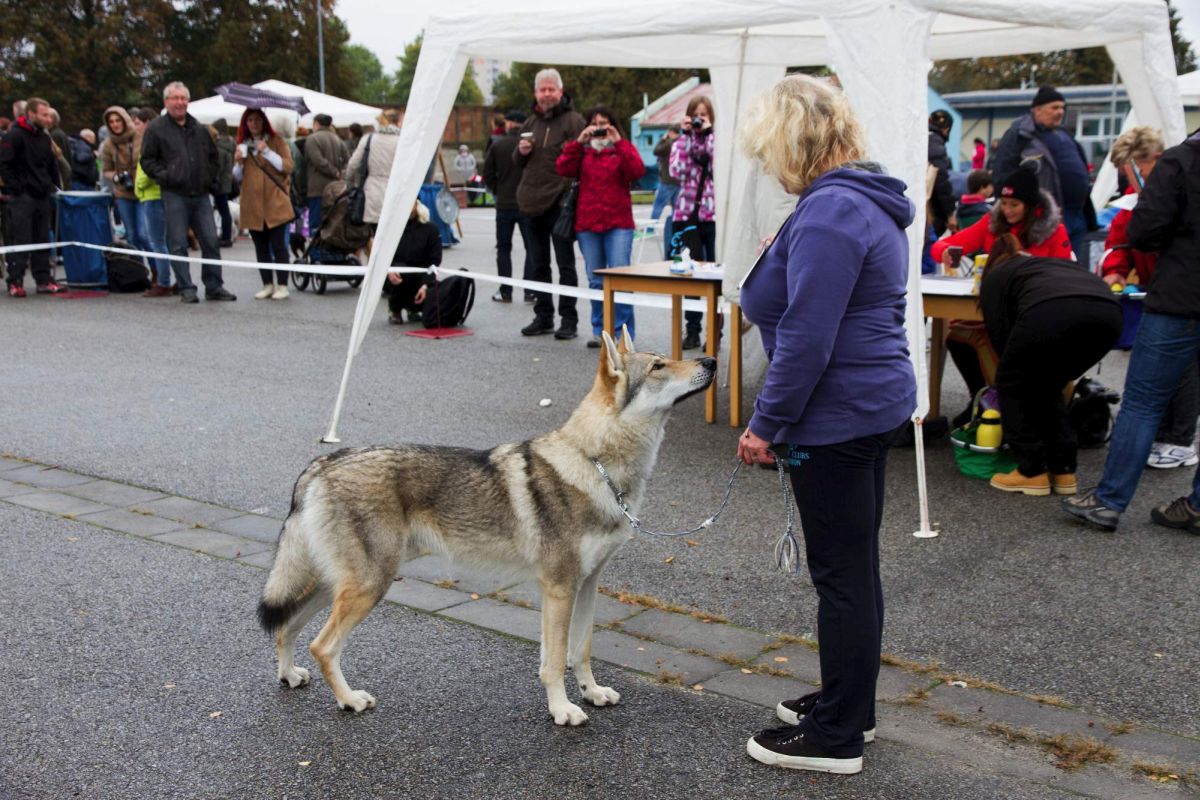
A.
x: 792, y: 711
x: 280, y: 293
x: 565, y: 331
x: 1177, y: 514
x: 500, y: 297
x: 594, y: 342
x: 16, y: 290
x: 787, y: 747
x: 1169, y: 456
x: 188, y: 296
x: 49, y: 287
x: 220, y: 293
x: 265, y: 292
x: 1064, y: 483
x: 691, y: 341
x: 538, y: 327
x: 1037, y: 486
x: 1088, y: 508
x: 158, y: 291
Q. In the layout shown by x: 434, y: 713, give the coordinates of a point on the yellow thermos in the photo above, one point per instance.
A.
x: 989, y: 433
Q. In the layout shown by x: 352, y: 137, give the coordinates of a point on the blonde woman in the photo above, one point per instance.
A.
x: 829, y: 296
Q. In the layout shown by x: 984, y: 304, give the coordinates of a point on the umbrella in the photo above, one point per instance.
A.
x: 253, y: 97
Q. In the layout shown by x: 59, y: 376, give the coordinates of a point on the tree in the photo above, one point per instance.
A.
x: 623, y: 89
x: 370, y: 84
x: 1060, y: 68
x: 469, y: 93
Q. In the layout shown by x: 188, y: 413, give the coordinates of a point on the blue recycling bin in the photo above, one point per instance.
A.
x: 84, y: 217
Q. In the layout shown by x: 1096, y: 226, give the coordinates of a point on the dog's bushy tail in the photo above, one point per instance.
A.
x: 293, y: 577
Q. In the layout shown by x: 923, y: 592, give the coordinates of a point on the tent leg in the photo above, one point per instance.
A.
x: 925, y: 531
x: 331, y: 437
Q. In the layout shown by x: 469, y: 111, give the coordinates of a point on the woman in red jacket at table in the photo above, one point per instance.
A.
x: 1031, y: 215
x: 605, y: 164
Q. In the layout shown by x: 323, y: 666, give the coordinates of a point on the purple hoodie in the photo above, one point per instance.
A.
x: 829, y: 298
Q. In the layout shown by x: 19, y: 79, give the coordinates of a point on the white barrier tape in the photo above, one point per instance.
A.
x: 643, y: 300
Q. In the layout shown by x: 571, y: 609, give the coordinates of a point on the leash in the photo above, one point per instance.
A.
x: 787, y: 549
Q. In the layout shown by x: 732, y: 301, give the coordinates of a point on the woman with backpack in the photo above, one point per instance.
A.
x: 263, y: 165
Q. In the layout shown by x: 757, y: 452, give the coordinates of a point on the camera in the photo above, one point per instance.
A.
x: 600, y: 133
x: 124, y: 179
x: 699, y: 123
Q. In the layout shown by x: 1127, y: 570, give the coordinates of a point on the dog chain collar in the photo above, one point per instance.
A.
x: 787, y: 549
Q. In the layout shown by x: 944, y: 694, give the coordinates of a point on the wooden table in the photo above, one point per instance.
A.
x: 943, y: 300
x: 657, y: 278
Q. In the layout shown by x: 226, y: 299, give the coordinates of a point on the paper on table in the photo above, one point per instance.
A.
x: 947, y: 285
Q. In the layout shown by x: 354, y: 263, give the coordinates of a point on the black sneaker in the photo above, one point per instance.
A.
x: 538, y: 327
x: 530, y: 297
x: 188, y: 296
x: 787, y: 747
x: 220, y: 293
x: 501, y: 297
x: 1177, y: 514
x: 792, y: 711
x: 1088, y: 508
x: 565, y: 331
x: 594, y: 342
x: 691, y: 341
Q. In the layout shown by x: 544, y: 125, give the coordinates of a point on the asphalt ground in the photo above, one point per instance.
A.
x: 227, y: 403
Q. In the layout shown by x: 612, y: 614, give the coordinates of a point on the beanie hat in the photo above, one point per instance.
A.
x: 941, y: 120
x: 1047, y: 94
x: 1022, y: 185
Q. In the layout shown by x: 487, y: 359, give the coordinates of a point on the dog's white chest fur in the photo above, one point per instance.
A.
x: 595, y: 550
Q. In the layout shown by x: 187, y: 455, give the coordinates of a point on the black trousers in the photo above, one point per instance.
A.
x: 30, y: 218
x: 1050, y: 345
x: 702, y: 244
x: 271, y: 247
x: 540, y: 242
x: 840, y: 491
x: 506, y: 220
x: 402, y: 296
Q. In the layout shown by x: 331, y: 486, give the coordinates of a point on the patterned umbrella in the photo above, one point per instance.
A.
x: 252, y: 97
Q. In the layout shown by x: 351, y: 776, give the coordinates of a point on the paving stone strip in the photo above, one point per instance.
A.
x: 670, y: 647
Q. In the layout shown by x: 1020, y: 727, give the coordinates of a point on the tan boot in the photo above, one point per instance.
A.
x: 267, y: 290
x: 1038, y: 485
x: 1064, y: 483
x: 280, y: 293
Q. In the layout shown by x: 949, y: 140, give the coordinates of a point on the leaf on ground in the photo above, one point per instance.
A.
x: 215, y: 714
x: 72, y: 538
x: 168, y: 686
x: 698, y: 686
x: 669, y: 560
x: 690, y: 543
x: 305, y: 763
x: 781, y: 659
x: 747, y: 671
x: 474, y: 596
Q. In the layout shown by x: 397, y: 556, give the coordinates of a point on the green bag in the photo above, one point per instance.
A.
x: 975, y: 461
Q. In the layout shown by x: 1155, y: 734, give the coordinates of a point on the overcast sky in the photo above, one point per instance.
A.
x: 385, y: 27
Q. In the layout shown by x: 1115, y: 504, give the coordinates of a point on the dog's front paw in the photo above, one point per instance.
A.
x: 357, y: 701
x: 568, y: 714
x: 602, y: 696
x: 296, y: 676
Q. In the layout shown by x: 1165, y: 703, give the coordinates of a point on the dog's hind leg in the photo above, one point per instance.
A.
x: 285, y: 638
x: 582, y: 619
x: 557, y: 601
x: 351, y: 604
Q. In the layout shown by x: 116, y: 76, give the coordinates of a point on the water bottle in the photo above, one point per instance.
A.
x: 989, y: 434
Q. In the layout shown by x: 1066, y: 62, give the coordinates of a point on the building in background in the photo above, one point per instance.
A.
x: 650, y: 124
x: 487, y: 70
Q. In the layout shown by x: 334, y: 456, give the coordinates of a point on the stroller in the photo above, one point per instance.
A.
x: 334, y: 244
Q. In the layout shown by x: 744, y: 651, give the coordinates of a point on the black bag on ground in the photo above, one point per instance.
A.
x: 448, y: 302
x: 1090, y: 412
x: 126, y: 272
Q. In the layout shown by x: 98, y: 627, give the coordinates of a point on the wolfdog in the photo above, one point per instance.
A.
x: 539, y: 506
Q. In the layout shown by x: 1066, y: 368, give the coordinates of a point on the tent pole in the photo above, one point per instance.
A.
x: 924, y: 532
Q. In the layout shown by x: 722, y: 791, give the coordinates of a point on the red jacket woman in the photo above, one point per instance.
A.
x: 604, y: 178
x: 1037, y: 223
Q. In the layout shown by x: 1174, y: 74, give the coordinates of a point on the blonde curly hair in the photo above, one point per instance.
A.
x: 1140, y: 142
x: 800, y: 128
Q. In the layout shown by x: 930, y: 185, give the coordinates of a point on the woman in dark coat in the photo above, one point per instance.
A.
x: 1049, y: 321
x: 420, y: 246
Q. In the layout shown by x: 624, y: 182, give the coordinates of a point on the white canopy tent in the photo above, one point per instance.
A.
x: 344, y: 112
x: 880, y: 49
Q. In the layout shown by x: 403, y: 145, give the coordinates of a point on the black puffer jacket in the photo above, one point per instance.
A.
x: 1167, y: 220
x: 180, y: 158
x: 942, y: 201
x: 27, y: 163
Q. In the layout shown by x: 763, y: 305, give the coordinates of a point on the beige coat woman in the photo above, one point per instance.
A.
x: 265, y: 202
x: 118, y: 154
x: 383, y: 146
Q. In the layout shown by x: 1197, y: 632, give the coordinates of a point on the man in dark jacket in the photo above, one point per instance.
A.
x: 1036, y: 141
x: 1166, y: 220
x: 502, y: 176
x: 223, y: 188
x: 552, y: 124
x: 30, y: 174
x: 324, y: 159
x: 181, y: 157
x: 941, y: 202
x: 667, y: 193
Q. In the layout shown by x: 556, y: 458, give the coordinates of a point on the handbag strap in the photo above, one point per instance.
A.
x: 366, y: 160
x: 274, y: 180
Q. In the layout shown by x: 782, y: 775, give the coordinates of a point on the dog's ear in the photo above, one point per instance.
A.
x: 626, y: 340
x: 610, y: 356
